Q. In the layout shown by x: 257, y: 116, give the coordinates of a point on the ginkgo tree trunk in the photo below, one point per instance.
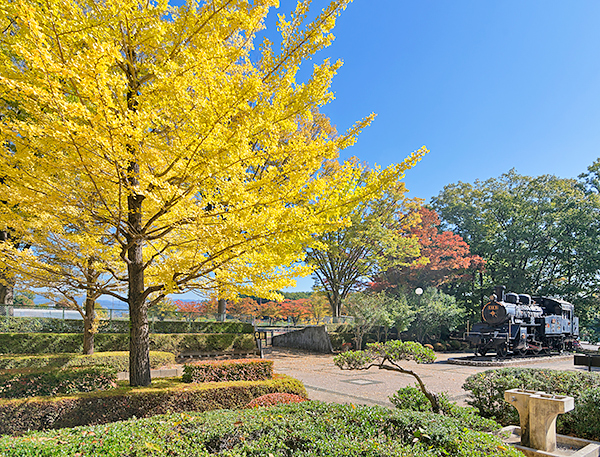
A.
x: 161, y: 125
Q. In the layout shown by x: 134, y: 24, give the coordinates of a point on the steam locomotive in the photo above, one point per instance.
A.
x: 517, y: 324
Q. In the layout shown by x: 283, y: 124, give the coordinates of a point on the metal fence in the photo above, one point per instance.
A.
x: 171, y: 316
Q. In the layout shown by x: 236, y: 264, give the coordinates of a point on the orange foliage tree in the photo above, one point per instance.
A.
x: 192, y: 309
x: 446, y: 258
x: 296, y: 309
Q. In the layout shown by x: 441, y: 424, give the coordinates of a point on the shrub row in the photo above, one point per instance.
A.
x: 228, y: 370
x: 56, y: 382
x: 48, y: 343
x: 164, y: 396
x: 117, y: 360
x: 304, y: 429
x: 275, y: 399
x: 10, y: 324
x: 487, y: 395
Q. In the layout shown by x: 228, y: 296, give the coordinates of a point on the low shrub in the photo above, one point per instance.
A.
x: 163, y: 396
x: 455, y: 345
x: 487, y: 392
x: 439, y: 347
x: 275, y: 399
x: 413, y: 399
x: 228, y: 370
x: 9, y: 324
x: 55, y: 343
x: 339, y: 339
x: 117, y: 360
x: 56, y: 382
x: 304, y: 429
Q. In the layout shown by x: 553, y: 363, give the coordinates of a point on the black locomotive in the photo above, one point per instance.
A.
x: 515, y: 324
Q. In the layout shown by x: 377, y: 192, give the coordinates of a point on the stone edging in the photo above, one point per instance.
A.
x: 504, y: 363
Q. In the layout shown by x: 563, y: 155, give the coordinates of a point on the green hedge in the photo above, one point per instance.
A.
x: 275, y: 399
x: 302, y: 429
x: 56, y: 343
x: 56, y: 382
x: 117, y: 360
x: 163, y: 396
x: 487, y: 393
x: 228, y: 370
x: 10, y: 324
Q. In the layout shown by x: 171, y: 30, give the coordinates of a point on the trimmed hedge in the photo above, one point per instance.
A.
x: 56, y: 382
x: 304, y: 429
x: 164, y: 396
x: 487, y: 394
x: 117, y: 360
x: 584, y: 420
x: 228, y: 370
x: 9, y: 324
x: 56, y: 343
x: 275, y: 399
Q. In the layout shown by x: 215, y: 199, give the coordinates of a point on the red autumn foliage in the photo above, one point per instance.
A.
x: 296, y: 309
x: 449, y: 257
x: 193, y: 308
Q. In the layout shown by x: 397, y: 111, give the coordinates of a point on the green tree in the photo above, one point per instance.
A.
x: 163, y: 309
x: 369, y: 310
x: 375, y: 240
x: 538, y: 235
x: 24, y: 298
x: 436, y: 314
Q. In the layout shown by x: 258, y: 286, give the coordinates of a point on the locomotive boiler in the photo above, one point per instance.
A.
x: 516, y: 324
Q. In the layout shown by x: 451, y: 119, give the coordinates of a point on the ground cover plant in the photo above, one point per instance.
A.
x: 304, y: 429
x: 487, y: 389
x: 164, y: 395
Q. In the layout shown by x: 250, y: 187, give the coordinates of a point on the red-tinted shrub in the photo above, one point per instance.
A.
x: 228, y: 370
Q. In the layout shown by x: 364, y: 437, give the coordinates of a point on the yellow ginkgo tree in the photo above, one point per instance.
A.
x: 166, y: 130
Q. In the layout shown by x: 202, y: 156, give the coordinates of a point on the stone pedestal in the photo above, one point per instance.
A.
x: 537, y: 414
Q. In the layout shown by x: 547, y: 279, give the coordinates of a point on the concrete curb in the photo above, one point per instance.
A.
x: 468, y: 361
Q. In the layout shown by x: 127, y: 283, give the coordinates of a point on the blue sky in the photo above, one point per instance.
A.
x: 486, y: 85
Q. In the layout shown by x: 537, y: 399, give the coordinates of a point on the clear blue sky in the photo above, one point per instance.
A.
x: 486, y: 85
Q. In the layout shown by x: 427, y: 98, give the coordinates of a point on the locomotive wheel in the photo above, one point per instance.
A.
x: 501, y: 351
x: 480, y: 352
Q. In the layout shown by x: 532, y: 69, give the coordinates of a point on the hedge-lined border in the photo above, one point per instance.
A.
x: 118, y: 360
x: 24, y: 384
x: 177, y: 343
x: 18, y: 416
x: 228, y: 370
x: 9, y: 324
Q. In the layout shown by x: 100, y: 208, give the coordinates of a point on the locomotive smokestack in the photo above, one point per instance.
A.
x: 499, y: 292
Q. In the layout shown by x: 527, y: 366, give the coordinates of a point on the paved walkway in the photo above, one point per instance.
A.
x: 326, y: 382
